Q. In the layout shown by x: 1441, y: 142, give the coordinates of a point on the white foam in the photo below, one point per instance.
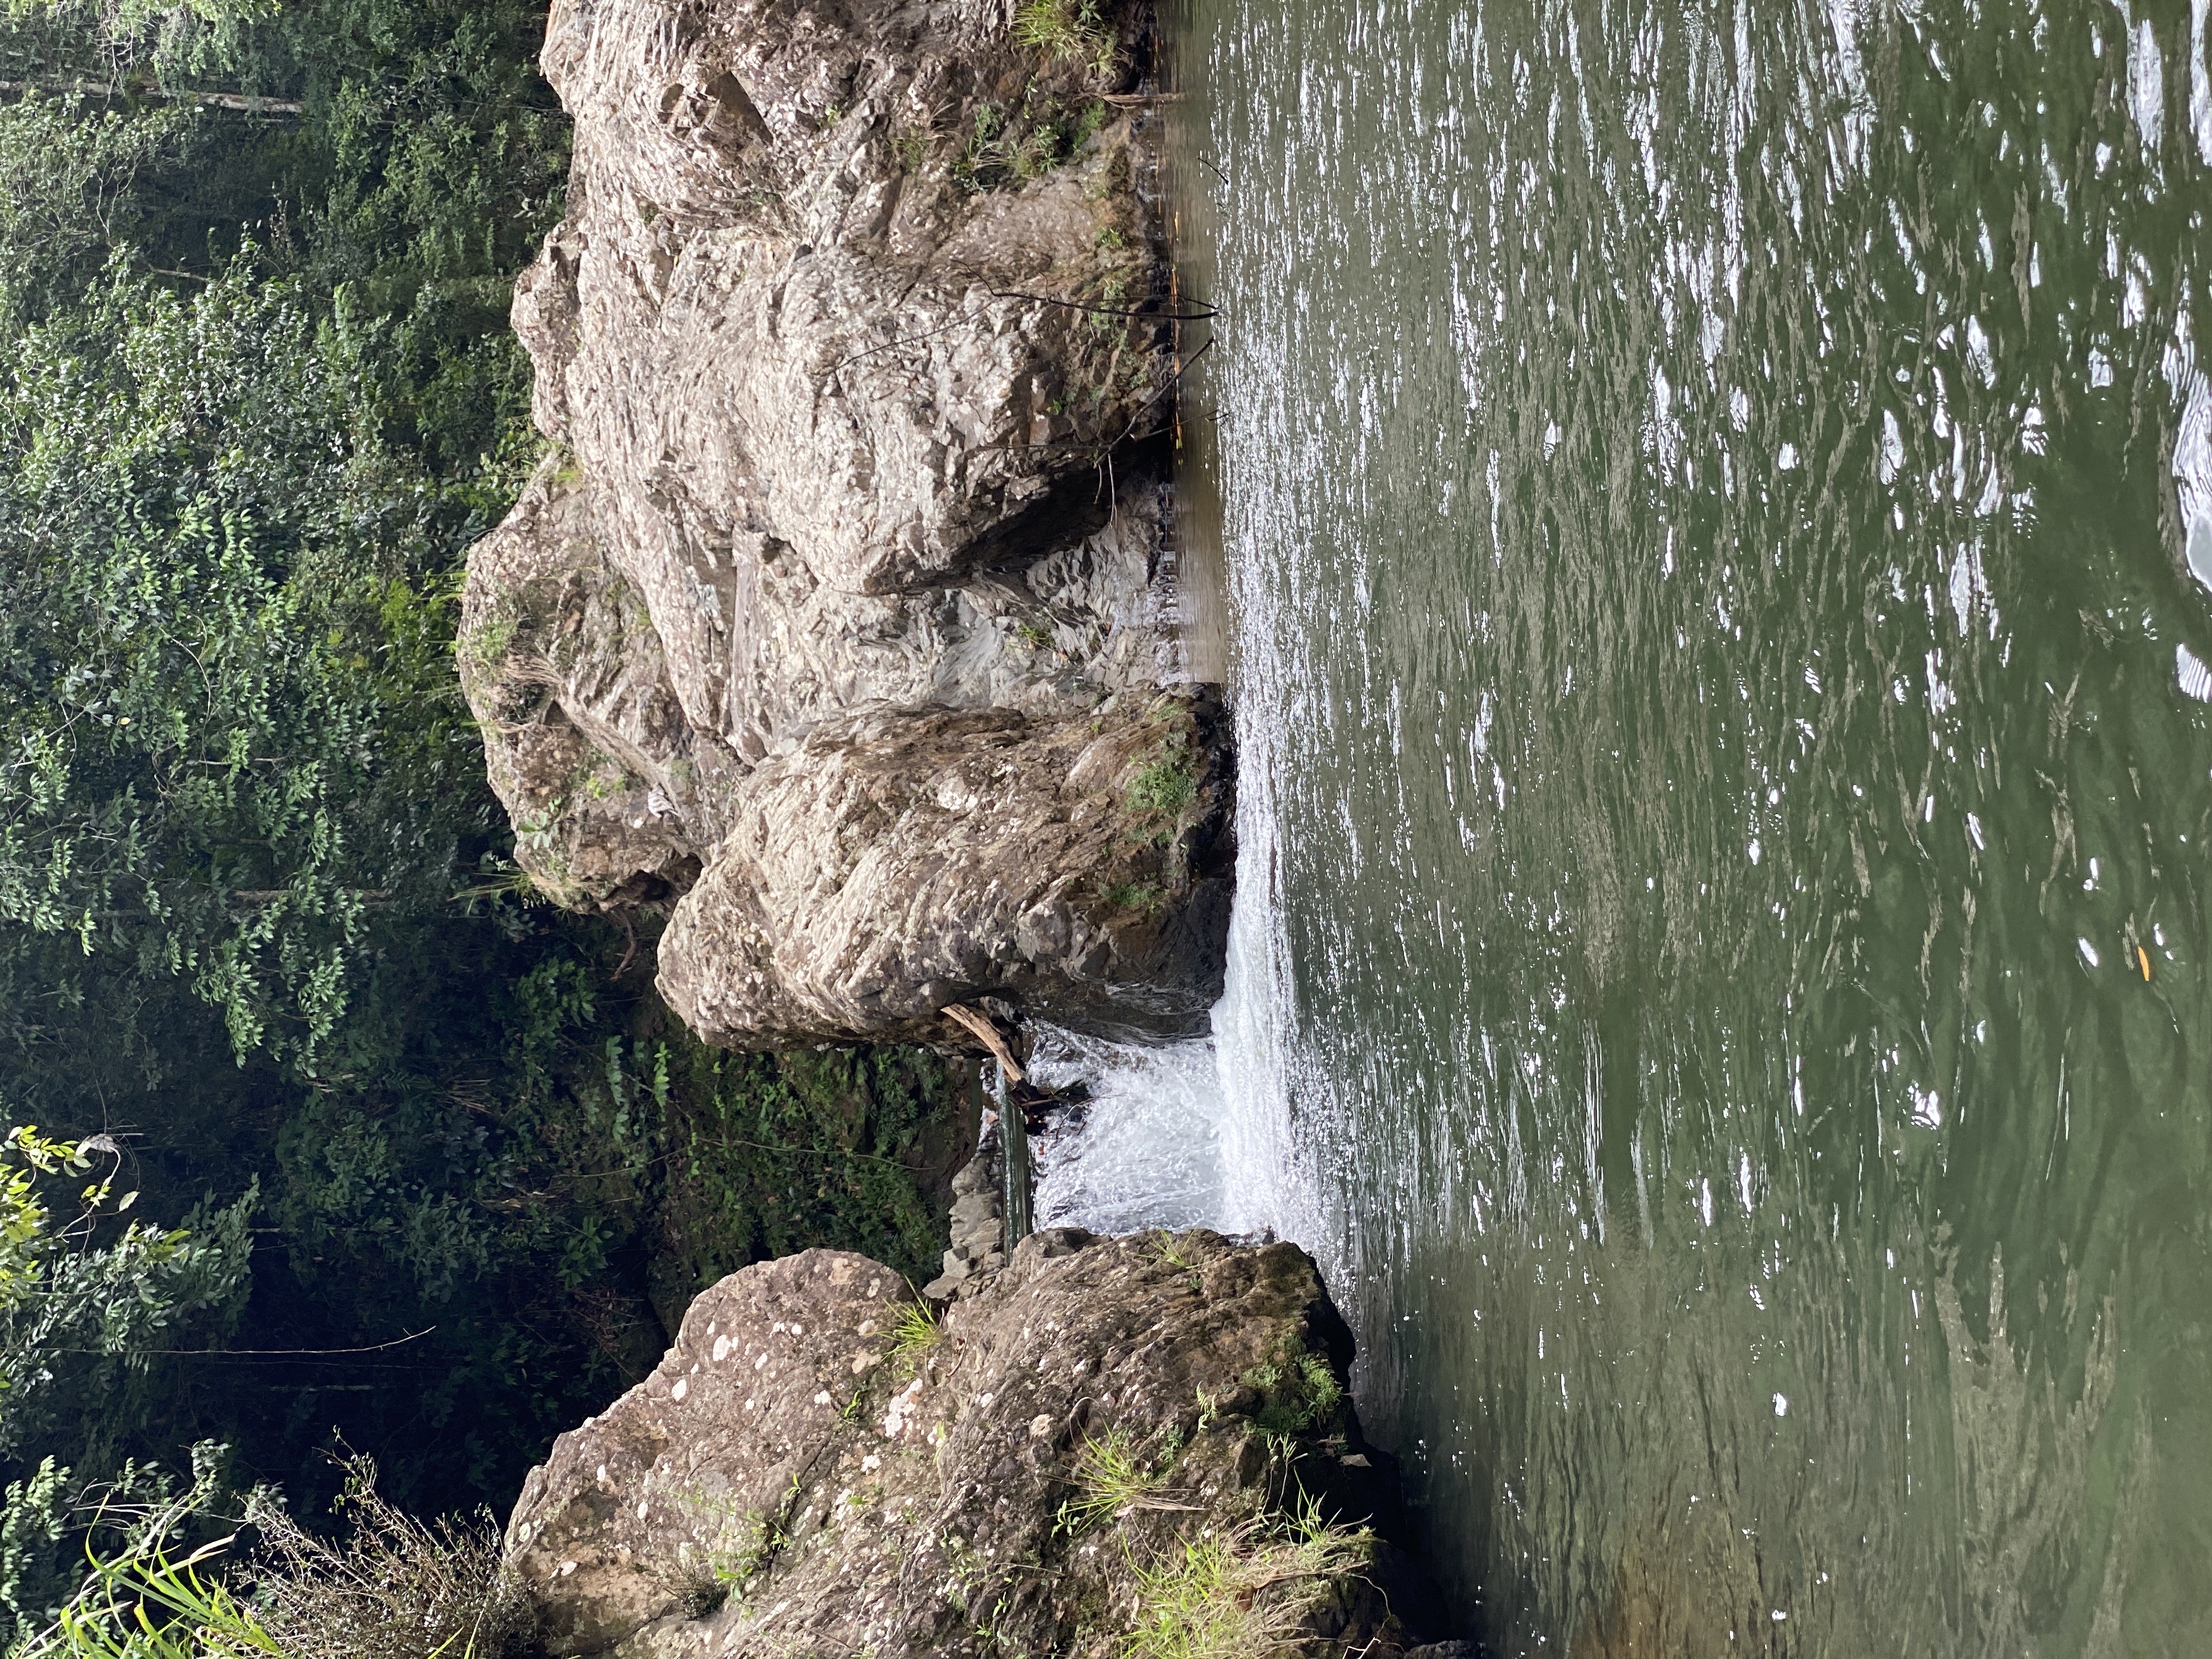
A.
x: 1149, y: 1152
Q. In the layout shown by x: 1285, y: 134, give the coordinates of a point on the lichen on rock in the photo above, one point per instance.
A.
x: 838, y: 622
x: 1138, y: 1446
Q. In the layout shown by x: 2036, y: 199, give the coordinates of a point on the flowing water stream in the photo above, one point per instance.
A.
x: 1716, y: 516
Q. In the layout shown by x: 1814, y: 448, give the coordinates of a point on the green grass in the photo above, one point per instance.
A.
x: 738, y: 1545
x: 1164, y: 1250
x: 503, y: 880
x: 1242, y: 1593
x: 1069, y: 31
x: 1110, y: 1481
x: 915, y: 1333
x: 1007, y: 146
x: 911, y: 146
x: 1166, y: 786
x: 154, y: 1607
x: 1140, y: 896
x: 483, y: 649
x: 395, y: 1588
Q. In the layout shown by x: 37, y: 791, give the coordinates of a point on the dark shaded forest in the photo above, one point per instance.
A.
x: 322, y: 1131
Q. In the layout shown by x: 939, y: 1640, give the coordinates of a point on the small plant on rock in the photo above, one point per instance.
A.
x: 1166, y: 1252
x: 1071, y: 31
x: 1142, y: 896
x: 1167, y: 783
x: 914, y: 1332
x: 1110, y: 1481
x: 1298, y: 1392
x: 1243, y: 1592
x: 730, y: 1546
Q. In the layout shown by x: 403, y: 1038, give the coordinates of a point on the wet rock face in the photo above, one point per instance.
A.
x: 838, y: 619
x: 1038, y: 1478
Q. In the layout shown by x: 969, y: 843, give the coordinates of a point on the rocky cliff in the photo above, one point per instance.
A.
x: 838, y: 621
x: 1115, y: 1449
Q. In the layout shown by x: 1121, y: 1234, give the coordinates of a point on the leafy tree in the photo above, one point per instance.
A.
x: 257, y: 395
x: 204, y: 570
x: 82, y: 1304
x: 69, y: 173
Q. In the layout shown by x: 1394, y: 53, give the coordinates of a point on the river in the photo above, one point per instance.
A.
x: 1716, y: 513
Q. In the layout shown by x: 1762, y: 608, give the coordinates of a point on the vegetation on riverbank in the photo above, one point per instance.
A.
x: 375, y: 1145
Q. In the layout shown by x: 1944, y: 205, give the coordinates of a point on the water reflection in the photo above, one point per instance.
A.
x: 1718, y: 514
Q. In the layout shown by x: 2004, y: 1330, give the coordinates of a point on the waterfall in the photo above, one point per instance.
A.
x: 1143, y: 1149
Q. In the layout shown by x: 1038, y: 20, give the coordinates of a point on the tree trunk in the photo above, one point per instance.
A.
x: 248, y: 102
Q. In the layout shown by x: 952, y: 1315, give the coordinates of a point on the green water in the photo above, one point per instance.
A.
x: 1708, y: 504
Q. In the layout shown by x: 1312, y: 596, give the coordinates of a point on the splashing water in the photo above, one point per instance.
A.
x: 1147, y: 1151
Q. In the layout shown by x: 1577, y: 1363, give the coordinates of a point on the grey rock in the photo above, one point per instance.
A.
x: 971, y: 1207
x: 743, y: 1500
x: 973, y: 1177
x: 839, y: 621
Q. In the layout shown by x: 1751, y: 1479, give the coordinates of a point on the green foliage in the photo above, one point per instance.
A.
x: 392, y: 1588
x: 34, y: 1519
x: 69, y: 197
x: 770, y: 1154
x: 173, y: 37
x: 82, y: 1302
x: 139, y: 1516
x: 155, y: 1607
x: 1298, y: 1392
x: 1165, y: 785
x: 1111, y: 1480
x: 914, y: 1335
x: 239, y: 789
x: 260, y: 923
x: 1241, y: 1592
x: 1166, y: 1251
x: 1142, y: 896
x: 205, y: 567
x: 1008, y: 144
x: 1073, y: 31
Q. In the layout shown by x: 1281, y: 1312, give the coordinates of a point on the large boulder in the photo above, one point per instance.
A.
x: 839, y: 618
x: 1113, y: 1436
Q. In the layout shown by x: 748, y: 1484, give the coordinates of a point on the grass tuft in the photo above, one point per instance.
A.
x: 1110, y: 1481
x: 1071, y: 31
x: 914, y: 1332
x: 396, y: 1588
x: 1244, y: 1592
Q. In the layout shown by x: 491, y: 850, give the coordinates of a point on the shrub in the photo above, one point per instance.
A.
x: 396, y: 1588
